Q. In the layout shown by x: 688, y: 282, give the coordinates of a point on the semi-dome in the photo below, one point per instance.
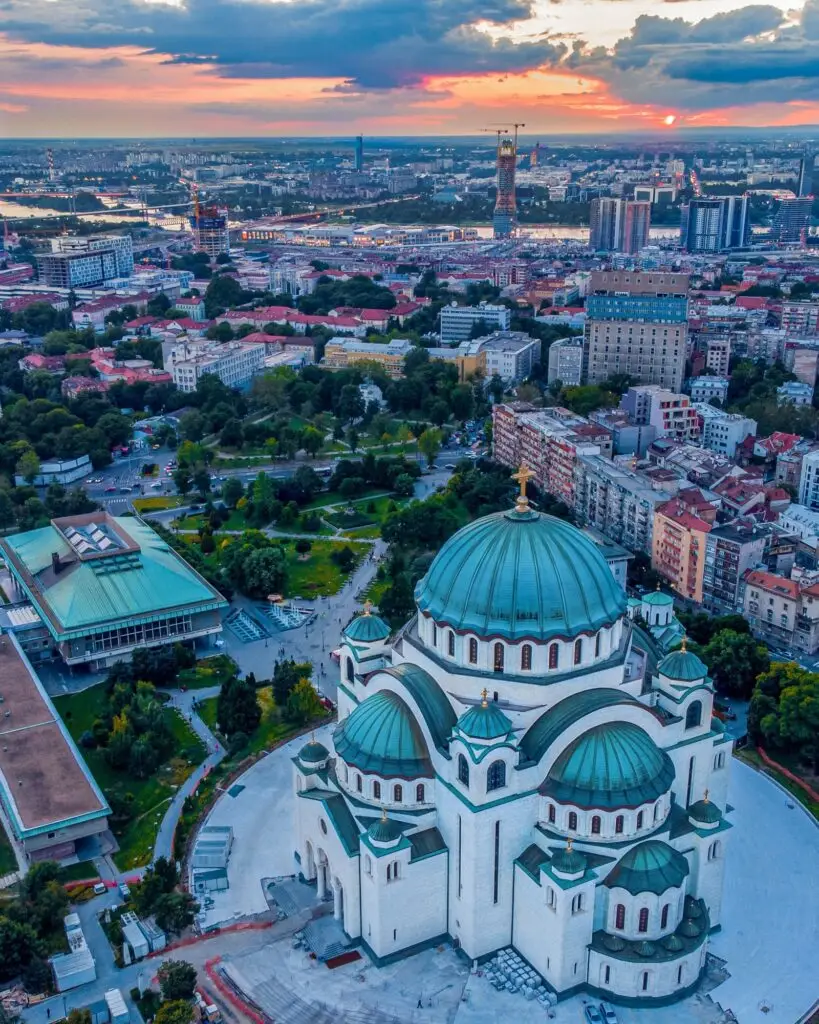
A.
x: 521, y: 574
x: 313, y: 752
x: 382, y: 737
x: 367, y: 629
x: 652, y: 866
x: 484, y: 721
x: 614, y: 765
x: 682, y: 666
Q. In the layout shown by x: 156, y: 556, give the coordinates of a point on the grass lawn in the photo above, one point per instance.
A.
x: 361, y: 532
x: 375, y: 590
x: 212, y: 671
x: 79, y: 872
x: 8, y: 862
x: 157, y: 504
x: 334, y: 498
x: 151, y: 796
x: 319, y: 576
x: 272, y: 729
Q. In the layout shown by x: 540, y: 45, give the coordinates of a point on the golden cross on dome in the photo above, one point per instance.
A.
x: 706, y: 797
x: 684, y: 645
x: 523, y: 476
x: 383, y: 813
x: 367, y: 606
x: 484, y: 695
x: 569, y: 844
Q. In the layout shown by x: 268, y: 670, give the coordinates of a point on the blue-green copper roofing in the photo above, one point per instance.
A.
x: 521, y: 574
x: 313, y: 752
x: 613, y: 765
x: 569, y: 862
x: 118, y: 587
x: 652, y: 866
x: 705, y: 811
x: 367, y: 629
x: 439, y: 715
x: 385, y: 830
x: 552, y: 723
x: 683, y: 666
x: 484, y: 721
x: 339, y: 814
x: 657, y: 598
x: 381, y: 736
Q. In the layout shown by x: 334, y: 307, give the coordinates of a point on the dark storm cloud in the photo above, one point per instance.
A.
x: 375, y: 43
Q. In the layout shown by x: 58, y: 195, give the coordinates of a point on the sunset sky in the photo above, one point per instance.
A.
x: 85, y: 68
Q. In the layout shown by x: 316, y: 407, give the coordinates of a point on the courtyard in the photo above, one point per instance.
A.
x: 769, y: 937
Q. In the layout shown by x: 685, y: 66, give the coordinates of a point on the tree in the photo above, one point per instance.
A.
x: 265, y: 572
x: 232, y: 490
x: 344, y: 558
x: 19, y: 945
x: 183, y: 480
x: 303, y: 702
x: 350, y: 403
x: 177, y: 980
x: 735, y: 660
x: 404, y: 485
x: 303, y: 547
x: 79, y: 1016
x: 192, y: 426
x: 352, y: 439
x: 312, y: 441
x: 28, y: 466
x: 429, y: 444
x: 784, y: 711
x: 201, y: 479
x: 175, y: 911
x: 285, y: 676
x: 238, y: 707
x: 175, y: 1012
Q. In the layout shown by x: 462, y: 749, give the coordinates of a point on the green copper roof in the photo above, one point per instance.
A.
x: 658, y: 598
x: 705, y: 811
x: 683, y: 666
x: 367, y: 629
x: 385, y: 830
x: 569, y: 862
x: 484, y: 721
x: 381, y: 736
x: 439, y: 715
x: 521, y: 574
x: 613, y: 765
x: 652, y: 866
x: 313, y: 752
x: 143, y: 579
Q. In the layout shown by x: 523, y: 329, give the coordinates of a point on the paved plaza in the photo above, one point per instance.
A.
x: 770, y: 936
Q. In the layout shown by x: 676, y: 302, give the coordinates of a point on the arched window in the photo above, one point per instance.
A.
x: 657, y: 811
x: 618, y: 824
x: 680, y: 971
x: 450, y: 644
x: 526, y: 658
x: 620, y: 916
x: 714, y: 850
x: 577, y: 903
x: 578, y: 651
x: 344, y: 771
x: 473, y: 651
x: 644, y: 983
x: 419, y: 793
x: 368, y: 865
x: 553, y: 655
x: 350, y: 670
x: 496, y: 776
x: 693, y: 716
x: 572, y: 821
x: 397, y: 794
x: 376, y: 790
x: 639, y: 820
x: 664, y: 916
x: 606, y: 974
x: 597, y: 645
x: 551, y: 813
x: 595, y: 825
x: 358, y: 785
x: 463, y: 770
x: 550, y: 896
x: 642, y: 924
x: 497, y: 660
x: 434, y: 635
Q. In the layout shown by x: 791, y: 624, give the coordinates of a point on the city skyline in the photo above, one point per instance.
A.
x: 218, y: 68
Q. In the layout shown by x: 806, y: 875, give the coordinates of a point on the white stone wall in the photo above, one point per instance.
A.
x: 707, y: 872
x: 627, y: 979
x: 673, y: 898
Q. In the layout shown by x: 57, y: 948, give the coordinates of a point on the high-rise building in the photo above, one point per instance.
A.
x: 711, y: 225
x: 359, y: 153
x: 505, y: 216
x: 619, y: 225
x: 86, y: 262
x: 210, y: 229
x: 457, y: 321
x: 637, y: 324
x: 792, y: 219
x: 805, y: 181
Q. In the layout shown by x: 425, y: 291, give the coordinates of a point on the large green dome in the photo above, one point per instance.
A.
x: 521, y: 574
x: 613, y: 765
x: 382, y: 737
x: 652, y: 866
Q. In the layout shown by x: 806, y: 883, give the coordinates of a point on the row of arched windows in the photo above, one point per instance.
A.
x: 596, y: 823
x: 495, y: 775
x: 642, y: 918
x: 377, y: 791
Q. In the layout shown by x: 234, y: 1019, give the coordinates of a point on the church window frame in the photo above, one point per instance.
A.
x: 657, y: 810
x: 680, y: 973
x: 572, y: 821
x: 578, y: 903
x: 645, y: 980
x: 496, y: 776
x: 554, y: 655
x: 350, y: 671
x: 434, y: 635
x: 606, y: 974
x: 578, y: 650
x: 419, y: 793
x: 359, y: 784
x: 473, y: 651
x: 398, y: 793
x: 550, y: 897
x: 450, y: 643
x: 496, y: 869
x: 693, y: 715
x: 497, y: 657
x: 551, y: 814
x: 596, y: 825
x: 639, y: 820
x: 463, y: 771
x: 597, y: 645
x: 619, y: 825
x: 642, y: 920
x: 714, y: 850
x: 526, y: 658
x: 376, y: 790
x: 664, y: 915
x: 368, y: 866
x: 620, y: 916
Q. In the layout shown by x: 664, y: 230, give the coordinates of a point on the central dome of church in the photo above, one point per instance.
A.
x: 521, y: 575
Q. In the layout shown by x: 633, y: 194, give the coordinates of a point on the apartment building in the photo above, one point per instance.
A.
x: 809, y: 481
x: 234, y: 363
x: 679, y: 547
x: 706, y: 387
x: 510, y: 355
x: 800, y: 319
x: 86, y: 262
x: 794, y: 392
x: 718, y: 355
x: 672, y: 415
x: 617, y: 501
x: 637, y: 323
x: 566, y: 361
x: 723, y: 432
x: 781, y: 612
x: 730, y: 551
x: 457, y: 321
x: 340, y: 353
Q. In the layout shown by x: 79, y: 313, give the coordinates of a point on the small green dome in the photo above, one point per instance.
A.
x: 683, y: 666
x: 673, y: 943
x: 569, y: 862
x: 367, y: 629
x: 652, y: 866
x: 613, y: 765
x: 484, y: 721
x: 385, y: 830
x: 705, y: 811
x: 520, y: 574
x: 717, y: 725
x: 645, y: 948
x: 614, y: 943
x: 690, y: 929
x: 313, y: 752
x: 382, y: 736
x: 657, y: 599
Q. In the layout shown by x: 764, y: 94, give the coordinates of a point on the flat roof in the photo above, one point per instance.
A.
x: 44, y: 782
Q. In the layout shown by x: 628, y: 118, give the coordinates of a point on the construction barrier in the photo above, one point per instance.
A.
x: 230, y: 994
x: 192, y: 940
x: 769, y: 761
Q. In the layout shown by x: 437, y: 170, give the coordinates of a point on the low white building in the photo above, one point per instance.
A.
x: 234, y: 363
x: 566, y: 361
x: 794, y: 392
x: 702, y: 389
x: 59, y: 471
x: 510, y: 355
x: 722, y: 431
x: 457, y: 321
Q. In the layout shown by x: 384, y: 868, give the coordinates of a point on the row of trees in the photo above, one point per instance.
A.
x: 31, y: 925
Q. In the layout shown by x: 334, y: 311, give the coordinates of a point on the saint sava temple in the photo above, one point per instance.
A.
x: 531, y: 761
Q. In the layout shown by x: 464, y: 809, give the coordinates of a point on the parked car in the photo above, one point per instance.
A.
x: 110, y: 490
x: 124, y: 890
x: 100, y: 889
x: 609, y: 1016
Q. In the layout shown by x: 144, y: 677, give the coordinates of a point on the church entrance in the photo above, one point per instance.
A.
x: 338, y: 900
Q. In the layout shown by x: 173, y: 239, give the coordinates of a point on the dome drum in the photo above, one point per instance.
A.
x: 619, y: 825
